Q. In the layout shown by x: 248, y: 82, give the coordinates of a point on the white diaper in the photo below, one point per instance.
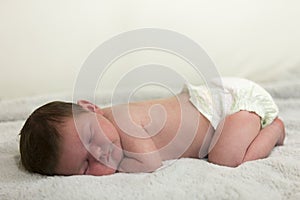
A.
x: 223, y: 97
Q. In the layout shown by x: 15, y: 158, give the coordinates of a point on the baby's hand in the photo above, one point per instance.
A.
x: 148, y: 162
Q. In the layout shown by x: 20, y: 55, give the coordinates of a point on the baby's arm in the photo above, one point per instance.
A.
x: 140, y: 163
x: 140, y: 154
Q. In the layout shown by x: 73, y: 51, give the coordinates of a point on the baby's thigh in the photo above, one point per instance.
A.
x: 232, y: 138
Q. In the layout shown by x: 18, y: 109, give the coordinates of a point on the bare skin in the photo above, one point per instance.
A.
x: 241, y: 139
x: 180, y: 127
x: 146, y: 133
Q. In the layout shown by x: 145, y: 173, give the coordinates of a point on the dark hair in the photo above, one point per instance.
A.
x: 40, y: 138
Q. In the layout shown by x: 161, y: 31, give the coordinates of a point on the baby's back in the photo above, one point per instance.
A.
x: 174, y: 125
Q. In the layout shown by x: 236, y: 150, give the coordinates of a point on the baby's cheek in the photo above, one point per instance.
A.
x: 100, y: 169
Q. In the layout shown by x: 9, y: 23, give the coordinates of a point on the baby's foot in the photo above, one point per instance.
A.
x: 278, y: 123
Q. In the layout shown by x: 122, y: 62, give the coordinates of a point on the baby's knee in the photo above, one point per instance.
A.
x: 225, y: 158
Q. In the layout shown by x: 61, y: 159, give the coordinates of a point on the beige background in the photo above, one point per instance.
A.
x: 44, y: 43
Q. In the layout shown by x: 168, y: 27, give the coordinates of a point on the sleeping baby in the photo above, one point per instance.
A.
x: 230, y: 122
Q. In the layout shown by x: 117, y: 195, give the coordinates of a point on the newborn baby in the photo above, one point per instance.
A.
x: 231, y: 122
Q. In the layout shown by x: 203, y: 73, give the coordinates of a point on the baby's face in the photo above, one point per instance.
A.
x: 90, y: 145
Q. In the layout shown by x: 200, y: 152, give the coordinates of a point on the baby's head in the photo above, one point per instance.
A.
x: 54, y: 142
x: 40, y: 139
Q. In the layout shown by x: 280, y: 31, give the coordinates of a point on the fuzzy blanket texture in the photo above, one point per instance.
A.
x: 276, y: 177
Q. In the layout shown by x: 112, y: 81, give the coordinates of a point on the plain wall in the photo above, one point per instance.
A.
x: 43, y: 44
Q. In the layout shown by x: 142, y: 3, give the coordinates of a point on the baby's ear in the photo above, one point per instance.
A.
x: 90, y: 106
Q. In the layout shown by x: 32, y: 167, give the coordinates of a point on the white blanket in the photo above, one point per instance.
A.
x: 276, y: 177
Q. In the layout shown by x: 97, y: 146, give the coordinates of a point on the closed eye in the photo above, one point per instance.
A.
x: 91, y: 136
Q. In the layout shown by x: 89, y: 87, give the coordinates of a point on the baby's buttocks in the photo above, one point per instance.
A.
x: 222, y: 97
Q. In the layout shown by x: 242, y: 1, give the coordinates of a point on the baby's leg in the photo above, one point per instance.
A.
x: 267, y: 138
x: 231, y: 141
